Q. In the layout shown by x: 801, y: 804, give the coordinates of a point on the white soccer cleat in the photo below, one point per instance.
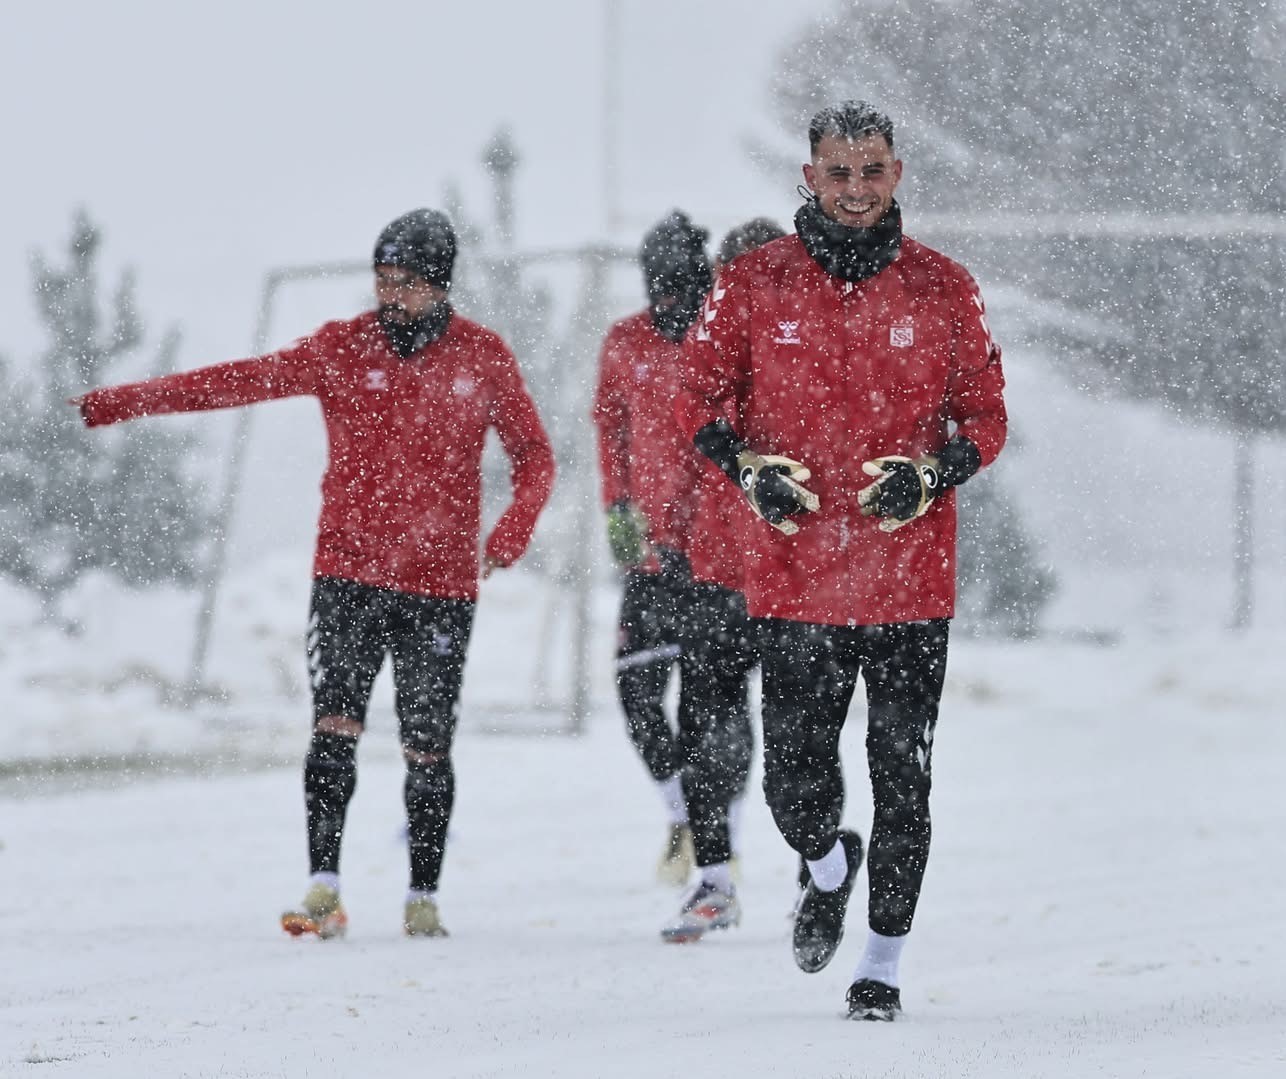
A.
x: 705, y: 909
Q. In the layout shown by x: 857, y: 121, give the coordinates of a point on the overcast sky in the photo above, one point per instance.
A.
x: 212, y: 142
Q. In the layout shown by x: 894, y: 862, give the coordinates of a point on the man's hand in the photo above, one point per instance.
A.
x: 774, y: 487
x: 627, y: 533
x: 902, y: 490
x: 904, y: 487
x: 490, y: 565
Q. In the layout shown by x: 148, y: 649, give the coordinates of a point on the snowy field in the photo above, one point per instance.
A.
x: 1104, y: 896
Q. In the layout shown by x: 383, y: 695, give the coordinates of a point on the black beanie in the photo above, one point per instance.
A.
x: 674, y: 258
x: 421, y: 241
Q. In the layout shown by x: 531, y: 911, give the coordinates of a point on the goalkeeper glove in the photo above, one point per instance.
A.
x: 905, y: 487
x: 626, y: 532
x: 774, y: 486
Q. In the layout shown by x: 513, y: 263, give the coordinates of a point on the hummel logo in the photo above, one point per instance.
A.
x: 377, y: 380
x: 789, y: 333
x: 922, y: 752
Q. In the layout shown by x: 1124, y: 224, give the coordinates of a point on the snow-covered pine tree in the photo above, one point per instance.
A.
x: 73, y: 500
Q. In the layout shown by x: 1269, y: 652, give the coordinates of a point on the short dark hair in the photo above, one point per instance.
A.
x: 849, y: 120
x: 754, y: 233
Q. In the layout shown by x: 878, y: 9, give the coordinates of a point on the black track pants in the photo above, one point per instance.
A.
x: 649, y: 646
x: 352, y: 628
x: 714, y: 713
x: 429, y: 794
x: 810, y: 672
x: 330, y: 777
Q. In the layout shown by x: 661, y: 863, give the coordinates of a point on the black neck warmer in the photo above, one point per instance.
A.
x: 409, y: 337
x: 672, y: 322
x: 850, y: 253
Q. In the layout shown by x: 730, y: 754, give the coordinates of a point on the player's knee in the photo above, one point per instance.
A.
x: 338, y: 724
x: 332, y: 750
x: 430, y: 782
x: 427, y: 733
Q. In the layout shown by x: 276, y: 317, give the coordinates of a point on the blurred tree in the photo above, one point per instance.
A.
x: 1004, y: 583
x: 73, y: 500
x: 1149, y: 107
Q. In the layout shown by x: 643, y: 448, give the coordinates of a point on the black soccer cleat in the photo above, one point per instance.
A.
x: 819, y: 921
x: 873, y: 1001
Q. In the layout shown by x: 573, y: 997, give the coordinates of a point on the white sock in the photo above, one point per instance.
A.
x: 331, y: 880
x: 879, y: 960
x: 718, y: 875
x: 672, y: 795
x: 413, y: 894
x: 829, y: 871
x: 735, y: 810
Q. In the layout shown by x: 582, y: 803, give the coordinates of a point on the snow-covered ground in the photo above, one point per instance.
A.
x: 1104, y: 896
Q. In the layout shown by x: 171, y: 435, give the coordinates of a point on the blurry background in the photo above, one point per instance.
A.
x: 1114, y: 180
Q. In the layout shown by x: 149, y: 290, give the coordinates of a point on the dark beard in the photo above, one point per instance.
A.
x: 672, y: 322
x: 409, y: 337
x: 853, y: 254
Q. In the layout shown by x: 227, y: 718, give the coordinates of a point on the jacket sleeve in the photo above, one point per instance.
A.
x: 716, y: 358
x: 513, y: 414
x: 681, y: 509
x: 612, y: 419
x: 288, y: 373
x: 975, y: 392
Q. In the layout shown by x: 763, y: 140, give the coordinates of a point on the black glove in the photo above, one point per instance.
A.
x: 772, y: 485
x: 904, y: 487
x: 626, y: 532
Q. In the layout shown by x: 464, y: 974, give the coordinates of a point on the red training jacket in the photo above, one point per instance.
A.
x: 401, y: 497
x: 718, y: 527
x: 643, y: 455
x: 832, y: 374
